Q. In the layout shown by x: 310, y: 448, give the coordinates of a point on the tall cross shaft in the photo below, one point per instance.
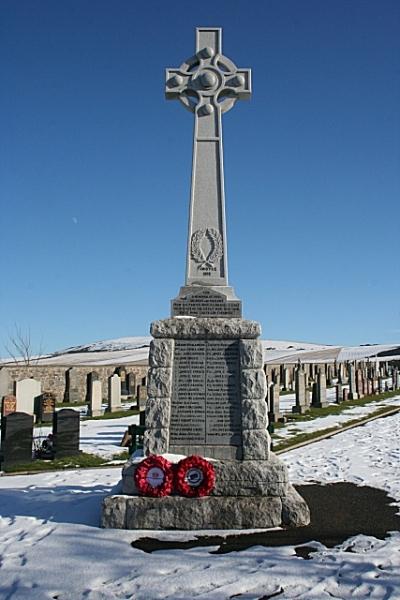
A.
x: 208, y: 84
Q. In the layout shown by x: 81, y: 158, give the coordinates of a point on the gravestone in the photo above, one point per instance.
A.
x: 141, y: 396
x: 16, y: 439
x: 359, y: 383
x: 26, y: 391
x: 114, y: 393
x: 339, y: 393
x: 121, y: 371
x: 319, y: 391
x: 301, y: 405
x: 73, y: 388
x: 352, y: 382
x: 131, y: 379
x: 274, y: 413
x: 206, y: 383
x: 395, y: 378
x: 95, y: 398
x: 66, y: 432
x: 5, y: 382
x: 8, y: 405
x: 45, y: 405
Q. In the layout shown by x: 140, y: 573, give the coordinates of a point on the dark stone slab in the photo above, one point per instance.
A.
x: 45, y: 405
x: 66, y: 432
x: 8, y: 405
x: 205, y: 403
x: 16, y: 439
x: 206, y: 303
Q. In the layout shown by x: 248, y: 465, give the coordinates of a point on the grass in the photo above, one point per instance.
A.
x: 305, y: 437
x: 335, y: 409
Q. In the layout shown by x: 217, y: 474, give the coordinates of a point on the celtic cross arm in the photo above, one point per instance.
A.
x: 208, y: 79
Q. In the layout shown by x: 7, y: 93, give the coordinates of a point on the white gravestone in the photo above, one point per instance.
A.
x: 26, y: 392
x: 114, y: 393
x: 4, y: 382
x: 95, y: 398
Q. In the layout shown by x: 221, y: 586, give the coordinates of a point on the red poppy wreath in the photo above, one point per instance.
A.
x: 154, y: 477
x: 194, y: 477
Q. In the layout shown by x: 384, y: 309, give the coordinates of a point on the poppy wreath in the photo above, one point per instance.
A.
x: 154, y: 477
x: 194, y: 477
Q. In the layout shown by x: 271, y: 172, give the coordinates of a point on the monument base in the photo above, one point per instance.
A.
x: 211, y: 512
x: 247, y: 495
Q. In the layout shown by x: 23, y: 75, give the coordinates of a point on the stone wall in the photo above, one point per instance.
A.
x: 57, y: 378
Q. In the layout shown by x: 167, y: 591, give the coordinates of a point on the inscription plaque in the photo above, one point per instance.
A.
x: 206, y: 303
x: 205, y: 404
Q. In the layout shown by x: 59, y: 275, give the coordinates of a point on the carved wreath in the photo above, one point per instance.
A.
x: 216, y: 251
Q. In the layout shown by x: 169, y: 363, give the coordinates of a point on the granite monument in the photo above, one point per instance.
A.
x: 206, y: 384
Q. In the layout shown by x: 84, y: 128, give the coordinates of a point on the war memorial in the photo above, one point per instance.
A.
x: 206, y: 403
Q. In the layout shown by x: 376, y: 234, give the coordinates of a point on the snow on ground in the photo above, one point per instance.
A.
x: 294, y: 428
x: 51, y: 545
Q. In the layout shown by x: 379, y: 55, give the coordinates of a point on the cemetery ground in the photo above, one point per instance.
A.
x: 52, y: 546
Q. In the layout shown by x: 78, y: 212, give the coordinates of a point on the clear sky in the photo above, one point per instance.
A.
x: 95, y: 166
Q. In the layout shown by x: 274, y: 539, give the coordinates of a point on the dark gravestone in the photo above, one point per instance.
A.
x: 121, y: 371
x: 66, y: 432
x: 205, y: 406
x: 8, y: 405
x: 131, y: 384
x: 45, y: 405
x: 16, y: 439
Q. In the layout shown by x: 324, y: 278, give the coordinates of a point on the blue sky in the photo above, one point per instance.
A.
x: 95, y: 167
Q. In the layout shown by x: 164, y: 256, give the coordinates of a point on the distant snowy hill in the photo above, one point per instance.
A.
x: 135, y: 350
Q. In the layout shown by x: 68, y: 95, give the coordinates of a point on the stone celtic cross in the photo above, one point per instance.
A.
x: 208, y: 84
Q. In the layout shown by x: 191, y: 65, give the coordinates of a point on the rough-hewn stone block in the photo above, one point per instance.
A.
x: 254, y: 384
x: 159, y: 383
x: 256, y: 444
x: 161, y: 353
x: 203, y: 328
x: 251, y: 354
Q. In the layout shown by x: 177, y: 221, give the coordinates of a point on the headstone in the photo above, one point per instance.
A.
x: 16, y: 439
x: 359, y: 383
x: 301, y: 405
x: 345, y: 394
x: 26, y: 391
x: 395, y: 378
x: 45, y: 405
x: 352, y: 382
x: 5, y: 382
x: 285, y: 378
x: 339, y: 393
x: 73, y: 392
x: 274, y: 413
x: 131, y: 384
x: 95, y: 398
x: 121, y: 371
x: 381, y: 386
x: 329, y: 375
x: 114, y: 393
x: 340, y: 373
x: 206, y: 383
x: 9, y: 405
x: 141, y: 396
x: 319, y: 397
x: 66, y: 432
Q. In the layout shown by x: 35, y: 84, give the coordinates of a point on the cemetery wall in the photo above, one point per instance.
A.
x: 56, y: 378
